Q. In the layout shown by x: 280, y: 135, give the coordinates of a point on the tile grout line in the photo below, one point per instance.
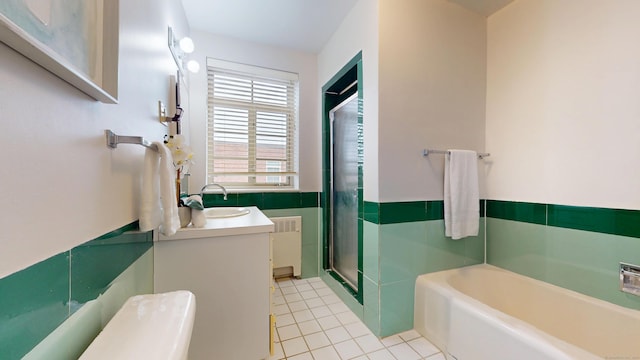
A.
x: 322, y: 330
x: 410, y: 336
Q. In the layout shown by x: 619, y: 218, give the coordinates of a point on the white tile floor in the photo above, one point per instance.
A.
x: 312, y: 323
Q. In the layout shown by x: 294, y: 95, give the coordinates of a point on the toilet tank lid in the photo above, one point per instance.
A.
x: 152, y: 326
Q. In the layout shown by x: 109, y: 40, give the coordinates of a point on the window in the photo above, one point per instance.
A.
x: 251, y: 127
x: 274, y: 167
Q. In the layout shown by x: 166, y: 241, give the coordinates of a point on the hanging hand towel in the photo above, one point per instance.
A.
x: 150, y: 210
x: 158, y: 200
x: 461, y: 195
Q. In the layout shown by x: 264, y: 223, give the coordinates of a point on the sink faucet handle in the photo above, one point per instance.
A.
x: 224, y: 191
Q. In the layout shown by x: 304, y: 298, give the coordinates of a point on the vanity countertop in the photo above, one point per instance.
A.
x: 252, y: 223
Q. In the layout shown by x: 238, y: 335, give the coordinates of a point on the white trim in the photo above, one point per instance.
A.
x: 251, y: 69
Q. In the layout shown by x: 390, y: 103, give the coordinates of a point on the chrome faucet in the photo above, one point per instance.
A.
x: 224, y: 191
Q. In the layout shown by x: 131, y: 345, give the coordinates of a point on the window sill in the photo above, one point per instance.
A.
x: 231, y: 190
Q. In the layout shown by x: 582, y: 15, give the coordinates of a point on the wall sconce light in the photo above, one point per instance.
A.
x: 186, y: 45
x: 179, y: 50
x: 193, y: 66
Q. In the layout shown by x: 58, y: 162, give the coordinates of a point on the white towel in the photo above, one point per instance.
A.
x: 461, y: 195
x: 158, y: 206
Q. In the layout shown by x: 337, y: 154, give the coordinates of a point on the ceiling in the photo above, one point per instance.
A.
x: 483, y: 7
x: 304, y: 25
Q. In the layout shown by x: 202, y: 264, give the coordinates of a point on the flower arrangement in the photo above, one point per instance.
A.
x: 182, y: 158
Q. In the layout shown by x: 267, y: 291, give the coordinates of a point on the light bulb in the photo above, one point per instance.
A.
x: 193, y: 66
x: 186, y: 45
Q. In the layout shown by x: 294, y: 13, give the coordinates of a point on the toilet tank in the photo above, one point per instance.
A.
x: 154, y: 326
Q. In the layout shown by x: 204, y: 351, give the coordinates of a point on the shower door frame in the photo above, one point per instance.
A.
x: 343, y: 85
x: 332, y: 194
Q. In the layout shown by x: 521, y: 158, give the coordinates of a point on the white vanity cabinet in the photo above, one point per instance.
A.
x: 226, y: 265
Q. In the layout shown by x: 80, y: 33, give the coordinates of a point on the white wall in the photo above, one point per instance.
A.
x: 563, y: 111
x: 358, y: 32
x: 61, y: 185
x: 241, y: 51
x: 432, y: 93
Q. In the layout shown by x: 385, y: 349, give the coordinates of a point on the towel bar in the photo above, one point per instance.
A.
x: 426, y: 152
x: 113, y: 140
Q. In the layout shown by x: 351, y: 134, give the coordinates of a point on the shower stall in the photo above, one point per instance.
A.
x: 343, y: 177
x: 343, y: 240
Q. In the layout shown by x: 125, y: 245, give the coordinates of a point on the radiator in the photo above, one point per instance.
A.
x: 286, y: 240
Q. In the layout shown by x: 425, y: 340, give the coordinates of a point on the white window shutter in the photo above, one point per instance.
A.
x: 251, y: 131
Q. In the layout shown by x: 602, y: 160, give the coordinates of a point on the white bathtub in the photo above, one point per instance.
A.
x: 484, y: 312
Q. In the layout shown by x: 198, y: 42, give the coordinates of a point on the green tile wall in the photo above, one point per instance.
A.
x: 371, y: 212
x: 36, y: 300
x: 519, y: 211
x: 396, y: 307
x: 96, y: 263
x: 33, y: 302
x: 371, y: 252
x: 407, y: 250
x: 578, y: 248
x: 608, y: 221
x: 371, y: 305
x: 69, y: 340
x: 265, y: 200
x: 391, y: 213
x: 371, y: 278
x: 408, y: 211
x: 401, y: 241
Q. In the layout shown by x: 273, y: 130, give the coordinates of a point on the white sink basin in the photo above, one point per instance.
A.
x: 225, y: 212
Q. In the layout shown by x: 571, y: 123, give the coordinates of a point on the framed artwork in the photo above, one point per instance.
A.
x: 77, y: 40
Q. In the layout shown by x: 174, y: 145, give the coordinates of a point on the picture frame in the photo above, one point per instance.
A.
x: 77, y: 40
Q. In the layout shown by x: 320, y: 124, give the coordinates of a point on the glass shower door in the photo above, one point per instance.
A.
x: 343, y: 248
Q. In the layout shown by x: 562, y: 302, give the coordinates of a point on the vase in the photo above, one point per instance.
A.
x: 184, y: 212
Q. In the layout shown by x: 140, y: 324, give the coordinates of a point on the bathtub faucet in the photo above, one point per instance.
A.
x: 224, y: 191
